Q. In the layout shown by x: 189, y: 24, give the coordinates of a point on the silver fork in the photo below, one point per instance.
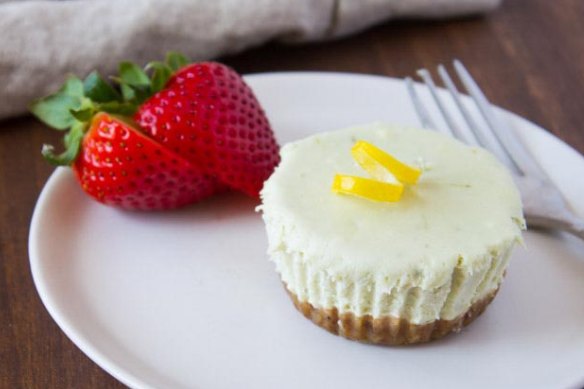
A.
x: 543, y: 203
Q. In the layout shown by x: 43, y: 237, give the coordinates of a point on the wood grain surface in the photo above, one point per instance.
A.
x: 528, y: 56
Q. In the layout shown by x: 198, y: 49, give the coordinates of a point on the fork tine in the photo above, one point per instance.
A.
x: 478, y: 135
x: 451, y: 124
x: 503, y: 134
x: 423, y: 114
x: 471, y: 135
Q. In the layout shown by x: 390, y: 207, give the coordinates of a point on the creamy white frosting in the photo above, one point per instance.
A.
x: 444, y: 245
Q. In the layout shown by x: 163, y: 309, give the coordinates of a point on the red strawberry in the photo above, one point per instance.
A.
x: 207, y: 114
x: 203, y: 130
x: 120, y: 166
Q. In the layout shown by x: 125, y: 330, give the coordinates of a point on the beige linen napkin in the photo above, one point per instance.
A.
x: 42, y: 41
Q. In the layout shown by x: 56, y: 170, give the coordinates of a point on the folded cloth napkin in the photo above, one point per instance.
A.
x: 42, y: 41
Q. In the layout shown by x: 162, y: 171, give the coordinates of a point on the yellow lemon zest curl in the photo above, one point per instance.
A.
x: 381, y: 166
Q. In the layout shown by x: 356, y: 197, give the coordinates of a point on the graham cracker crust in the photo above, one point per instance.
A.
x: 387, y: 330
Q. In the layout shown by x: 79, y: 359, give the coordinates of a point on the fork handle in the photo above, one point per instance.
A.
x: 568, y: 223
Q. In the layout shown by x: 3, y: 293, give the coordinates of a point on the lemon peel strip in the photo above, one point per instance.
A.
x: 367, y: 188
x: 377, y: 163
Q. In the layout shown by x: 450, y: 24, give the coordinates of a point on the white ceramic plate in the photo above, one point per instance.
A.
x: 188, y: 298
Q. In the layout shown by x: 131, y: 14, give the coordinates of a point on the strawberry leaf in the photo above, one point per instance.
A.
x: 72, y: 87
x: 135, y: 94
x: 134, y: 83
x: 142, y: 93
x: 115, y: 107
x: 98, y: 90
x: 176, y: 60
x: 132, y: 75
x: 160, y: 75
x: 83, y: 115
x: 72, y: 146
x: 55, y: 110
x: 128, y: 92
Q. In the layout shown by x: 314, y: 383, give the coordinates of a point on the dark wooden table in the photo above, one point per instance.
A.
x: 528, y: 56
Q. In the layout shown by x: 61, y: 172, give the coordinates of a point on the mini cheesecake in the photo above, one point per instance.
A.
x: 391, y: 272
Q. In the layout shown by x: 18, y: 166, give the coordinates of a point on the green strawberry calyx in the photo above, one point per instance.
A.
x: 73, y: 106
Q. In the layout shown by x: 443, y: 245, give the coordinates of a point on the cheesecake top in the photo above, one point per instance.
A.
x: 465, y: 206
